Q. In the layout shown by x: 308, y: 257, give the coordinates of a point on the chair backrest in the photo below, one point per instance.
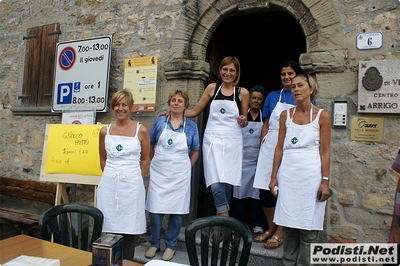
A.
x: 70, y: 225
x: 226, y: 230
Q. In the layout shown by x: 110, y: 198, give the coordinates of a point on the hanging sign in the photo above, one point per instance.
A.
x: 140, y: 78
x: 82, y: 74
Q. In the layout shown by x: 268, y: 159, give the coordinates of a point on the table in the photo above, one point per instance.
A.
x: 13, y: 247
x: 162, y: 263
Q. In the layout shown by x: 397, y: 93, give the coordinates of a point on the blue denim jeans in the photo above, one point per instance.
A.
x: 222, y: 194
x: 173, y: 230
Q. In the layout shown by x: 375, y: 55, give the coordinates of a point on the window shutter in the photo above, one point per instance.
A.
x: 48, y: 59
x: 40, y: 56
x: 31, y: 73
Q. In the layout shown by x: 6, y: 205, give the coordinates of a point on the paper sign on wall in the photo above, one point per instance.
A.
x: 73, y: 149
x: 140, y: 77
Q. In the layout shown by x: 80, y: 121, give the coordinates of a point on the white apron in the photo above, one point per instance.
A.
x: 170, y: 174
x: 251, y: 146
x: 223, y: 143
x: 267, y: 149
x: 121, y: 192
x: 299, y: 177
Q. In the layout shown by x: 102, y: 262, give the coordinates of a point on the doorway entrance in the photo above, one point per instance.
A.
x: 261, y: 42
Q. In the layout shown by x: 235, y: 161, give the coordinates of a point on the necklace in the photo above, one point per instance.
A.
x: 121, y: 129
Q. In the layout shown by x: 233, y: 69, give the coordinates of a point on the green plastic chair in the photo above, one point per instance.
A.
x: 226, y: 230
x: 70, y: 225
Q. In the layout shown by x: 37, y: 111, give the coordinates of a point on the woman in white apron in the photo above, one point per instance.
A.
x: 246, y: 193
x: 276, y: 102
x: 124, y: 148
x: 223, y: 142
x: 301, y: 170
x: 176, y: 143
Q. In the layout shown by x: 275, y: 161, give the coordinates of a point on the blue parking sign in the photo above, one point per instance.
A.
x: 77, y: 86
x: 64, y: 93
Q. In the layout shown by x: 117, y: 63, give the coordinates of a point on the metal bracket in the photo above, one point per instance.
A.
x: 29, y: 37
x: 23, y: 97
x: 54, y: 32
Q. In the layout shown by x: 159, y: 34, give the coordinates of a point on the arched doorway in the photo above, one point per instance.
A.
x: 261, y: 41
x: 192, y: 61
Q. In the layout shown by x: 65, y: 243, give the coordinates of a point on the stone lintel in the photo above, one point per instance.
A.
x: 183, y: 69
x: 324, y: 61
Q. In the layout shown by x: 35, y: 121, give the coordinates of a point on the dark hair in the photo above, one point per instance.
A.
x: 296, y: 67
x: 259, y: 88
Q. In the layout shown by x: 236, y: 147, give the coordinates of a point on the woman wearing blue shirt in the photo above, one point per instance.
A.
x: 174, y: 150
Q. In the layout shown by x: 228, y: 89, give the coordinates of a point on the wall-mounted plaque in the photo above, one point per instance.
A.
x: 379, y: 86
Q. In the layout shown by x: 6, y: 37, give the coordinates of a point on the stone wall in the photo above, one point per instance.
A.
x: 361, y: 208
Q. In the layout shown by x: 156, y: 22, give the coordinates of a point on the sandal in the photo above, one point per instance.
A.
x: 212, y: 236
x: 262, y: 238
x: 232, y: 238
x: 275, y: 240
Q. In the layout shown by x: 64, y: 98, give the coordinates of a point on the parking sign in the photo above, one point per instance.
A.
x: 82, y: 75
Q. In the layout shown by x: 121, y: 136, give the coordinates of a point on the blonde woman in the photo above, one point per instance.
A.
x: 124, y: 148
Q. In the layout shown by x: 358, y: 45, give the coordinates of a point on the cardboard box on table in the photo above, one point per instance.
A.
x: 108, y: 250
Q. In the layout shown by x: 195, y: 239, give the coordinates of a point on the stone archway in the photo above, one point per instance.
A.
x: 188, y: 70
x: 319, y: 20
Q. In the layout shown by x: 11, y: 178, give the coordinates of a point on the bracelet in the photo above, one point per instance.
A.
x: 325, y: 178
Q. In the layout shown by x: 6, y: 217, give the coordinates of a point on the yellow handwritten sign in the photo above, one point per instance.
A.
x: 73, y: 149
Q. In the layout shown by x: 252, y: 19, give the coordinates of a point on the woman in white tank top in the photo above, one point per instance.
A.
x: 301, y: 170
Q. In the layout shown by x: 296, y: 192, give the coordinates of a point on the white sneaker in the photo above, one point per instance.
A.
x: 258, y: 230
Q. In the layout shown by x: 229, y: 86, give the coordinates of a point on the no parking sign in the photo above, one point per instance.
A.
x: 82, y: 75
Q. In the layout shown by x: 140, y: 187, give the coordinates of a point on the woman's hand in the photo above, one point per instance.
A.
x: 323, y: 191
x: 165, y: 113
x: 273, y: 186
x: 242, y: 120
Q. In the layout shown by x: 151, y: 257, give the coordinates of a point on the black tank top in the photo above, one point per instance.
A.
x: 220, y: 96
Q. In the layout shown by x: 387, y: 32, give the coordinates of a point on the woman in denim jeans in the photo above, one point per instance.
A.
x: 223, y: 142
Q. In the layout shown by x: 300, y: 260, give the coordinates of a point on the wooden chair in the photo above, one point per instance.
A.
x: 72, y: 224
x: 226, y: 230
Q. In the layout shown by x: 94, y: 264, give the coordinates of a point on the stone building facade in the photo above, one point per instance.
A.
x: 186, y: 35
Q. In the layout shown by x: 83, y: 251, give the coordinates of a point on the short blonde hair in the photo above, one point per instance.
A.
x: 119, y: 95
x: 184, y: 94
x: 311, y: 82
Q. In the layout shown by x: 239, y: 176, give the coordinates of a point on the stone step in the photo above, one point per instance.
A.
x: 258, y: 254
